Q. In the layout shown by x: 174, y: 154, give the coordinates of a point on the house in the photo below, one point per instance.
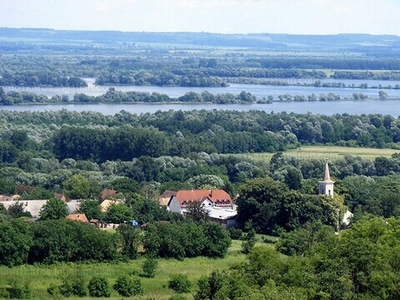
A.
x: 179, y: 202
x: 165, y: 197
x: 224, y: 216
x: 31, y: 206
x: 217, y: 203
x: 107, y: 203
x: 78, y: 217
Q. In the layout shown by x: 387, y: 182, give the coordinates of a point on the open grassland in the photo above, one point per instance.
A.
x: 40, y: 277
x: 331, y: 153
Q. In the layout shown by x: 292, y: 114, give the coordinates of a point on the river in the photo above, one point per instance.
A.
x: 390, y: 107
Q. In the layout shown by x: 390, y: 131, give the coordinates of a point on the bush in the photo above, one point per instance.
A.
x: 179, y: 283
x: 73, y: 284
x: 98, y: 287
x: 127, y: 286
x: 149, y: 267
x: 235, y: 233
x: 18, y: 289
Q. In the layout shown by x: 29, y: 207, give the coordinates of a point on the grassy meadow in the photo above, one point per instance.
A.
x: 331, y: 153
x: 41, y: 276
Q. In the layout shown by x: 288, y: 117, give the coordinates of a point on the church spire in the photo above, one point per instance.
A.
x: 327, y: 176
x: 326, y: 185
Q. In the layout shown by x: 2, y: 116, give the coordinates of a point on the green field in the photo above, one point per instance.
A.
x: 40, y: 277
x: 331, y: 153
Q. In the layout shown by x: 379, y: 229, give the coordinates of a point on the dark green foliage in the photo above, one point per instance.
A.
x: 118, y: 213
x: 179, y: 283
x: 235, y: 233
x: 128, y: 286
x: 64, y: 241
x: 91, y: 209
x: 186, y: 239
x: 131, y: 240
x: 304, y: 239
x: 98, y: 287
x: 209, y: 286
x: 16, y: 241
x: 269, y: 206
x: 249, y: 241
x: 16, y: 210
x: 54, y: 209
x: 196, y: 212
x: 217, y: 240
x: 149, y: 267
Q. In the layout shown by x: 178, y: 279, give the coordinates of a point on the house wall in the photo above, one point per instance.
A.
x: 174, y: 205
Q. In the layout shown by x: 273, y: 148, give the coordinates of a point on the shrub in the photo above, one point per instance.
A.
x: 179, y: 283
x: 235, y: 233
x: 73, y: 284
x: 149, y: 267
x: 18, y: 289
x: 127, y: 286
x: 98, y: 287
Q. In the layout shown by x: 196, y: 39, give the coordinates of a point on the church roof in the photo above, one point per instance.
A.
x: 327, y: 176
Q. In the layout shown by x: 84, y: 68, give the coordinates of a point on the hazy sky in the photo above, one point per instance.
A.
x: 220, y: 16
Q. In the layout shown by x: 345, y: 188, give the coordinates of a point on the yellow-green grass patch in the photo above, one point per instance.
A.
x: 331, y: 153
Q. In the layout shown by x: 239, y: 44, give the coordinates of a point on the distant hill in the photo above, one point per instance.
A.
x: 269, y: 41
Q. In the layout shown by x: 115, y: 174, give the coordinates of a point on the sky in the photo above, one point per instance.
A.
x: 216, y: 16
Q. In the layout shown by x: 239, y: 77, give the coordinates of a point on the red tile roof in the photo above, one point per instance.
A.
x: 217, y: 197
x: 78, y: 217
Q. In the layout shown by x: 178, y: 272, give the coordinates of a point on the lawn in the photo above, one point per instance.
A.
x: 331, y: 153
x: 40, y: 277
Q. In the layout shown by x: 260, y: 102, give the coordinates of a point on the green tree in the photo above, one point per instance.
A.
x: 210, y: 286
x: 98, y: 287
x: 79, y: 187
x: 91, y: 209
x: 16, y: 210
x: 54, y: 209
x: 149, y: 267
x: 249, y: 241
x: 128, y: 286
x: 259, y: 203
x: 217, y: 240
x: 196, y: 212
x: 131, y: 240
x: 179, y: 283
x: 118, y: 213
x: 16, y: 241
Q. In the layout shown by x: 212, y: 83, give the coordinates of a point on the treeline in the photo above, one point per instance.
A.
x: 40, y: 78
x: 164, y: 79
x: 63, y: 240
x: 208, y: 131
x: 328, y: 63
x: 393, y: 75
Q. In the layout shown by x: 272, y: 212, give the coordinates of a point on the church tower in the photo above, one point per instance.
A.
x: 326, y: 185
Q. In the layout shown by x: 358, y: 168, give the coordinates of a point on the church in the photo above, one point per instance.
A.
x: 326, y: 188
